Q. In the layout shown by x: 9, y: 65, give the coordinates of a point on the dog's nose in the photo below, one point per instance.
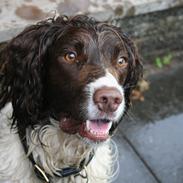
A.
x: 107, y: 99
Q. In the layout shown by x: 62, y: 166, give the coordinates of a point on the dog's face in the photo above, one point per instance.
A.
x: 78, y: 71
x: 85, y: 82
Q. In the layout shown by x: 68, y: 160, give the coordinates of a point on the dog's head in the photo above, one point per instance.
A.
x: 76, y: 70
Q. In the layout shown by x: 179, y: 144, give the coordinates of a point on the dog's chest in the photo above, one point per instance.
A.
x: 15, y: 167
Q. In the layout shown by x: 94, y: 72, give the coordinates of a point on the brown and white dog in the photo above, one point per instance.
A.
x: 65, y: 86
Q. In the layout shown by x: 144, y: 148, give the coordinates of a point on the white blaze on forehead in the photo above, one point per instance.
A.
x: 106, y: 81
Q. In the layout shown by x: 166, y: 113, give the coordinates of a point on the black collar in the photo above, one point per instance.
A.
x: 64, y: 172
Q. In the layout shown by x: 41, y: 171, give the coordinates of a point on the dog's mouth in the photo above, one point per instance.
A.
x: 95, y: 130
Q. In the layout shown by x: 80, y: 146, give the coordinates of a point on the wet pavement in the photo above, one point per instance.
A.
x: 150, y: 137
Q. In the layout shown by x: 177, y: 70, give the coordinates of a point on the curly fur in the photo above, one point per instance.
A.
x: 24, y: 78
x: 18, y: 169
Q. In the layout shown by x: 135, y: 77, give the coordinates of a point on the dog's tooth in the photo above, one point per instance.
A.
x: 109, y: 126
x: 88, y: 125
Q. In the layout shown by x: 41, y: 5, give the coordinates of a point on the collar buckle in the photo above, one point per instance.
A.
x: 41, y: 173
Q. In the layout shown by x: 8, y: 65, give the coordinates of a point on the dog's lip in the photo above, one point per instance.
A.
x: 70, y: 125
x: 95, y: 130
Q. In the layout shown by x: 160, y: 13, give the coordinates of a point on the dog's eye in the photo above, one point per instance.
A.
x: 122, y: 62
x: 70, y: 57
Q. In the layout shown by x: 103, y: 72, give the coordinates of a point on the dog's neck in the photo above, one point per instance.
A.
x: 53, y: 149
x: 57, y: 150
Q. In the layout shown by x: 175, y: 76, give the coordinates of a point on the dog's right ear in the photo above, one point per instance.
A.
x: 22, y: 69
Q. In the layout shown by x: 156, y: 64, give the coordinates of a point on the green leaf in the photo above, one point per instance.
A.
x: 167, y: 59
x: 158, y: 63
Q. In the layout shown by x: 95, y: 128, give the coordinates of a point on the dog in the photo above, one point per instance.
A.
x: 65, y: 86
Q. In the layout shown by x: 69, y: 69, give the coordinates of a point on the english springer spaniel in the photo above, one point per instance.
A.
x: 65, y: 86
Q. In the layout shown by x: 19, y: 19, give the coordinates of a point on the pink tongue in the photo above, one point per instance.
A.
x: 99, y: 127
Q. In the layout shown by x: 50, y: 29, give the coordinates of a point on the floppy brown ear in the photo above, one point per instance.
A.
x: 22, y: 71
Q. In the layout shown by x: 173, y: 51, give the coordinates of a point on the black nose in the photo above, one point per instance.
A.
x: 107, y: 99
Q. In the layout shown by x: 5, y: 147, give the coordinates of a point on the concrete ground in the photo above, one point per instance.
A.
x: 150, y: 137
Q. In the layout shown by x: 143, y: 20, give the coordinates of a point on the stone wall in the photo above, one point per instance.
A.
x: 156, y: 34
x: 155, y: 25
x: 16, y: 14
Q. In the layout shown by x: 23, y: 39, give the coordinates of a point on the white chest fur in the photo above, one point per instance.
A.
x: 59, y: 150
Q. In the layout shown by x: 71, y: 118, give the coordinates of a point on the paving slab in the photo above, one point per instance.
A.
x: 132, y: 170
x: 161, y: 146
x: 155, y: 127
